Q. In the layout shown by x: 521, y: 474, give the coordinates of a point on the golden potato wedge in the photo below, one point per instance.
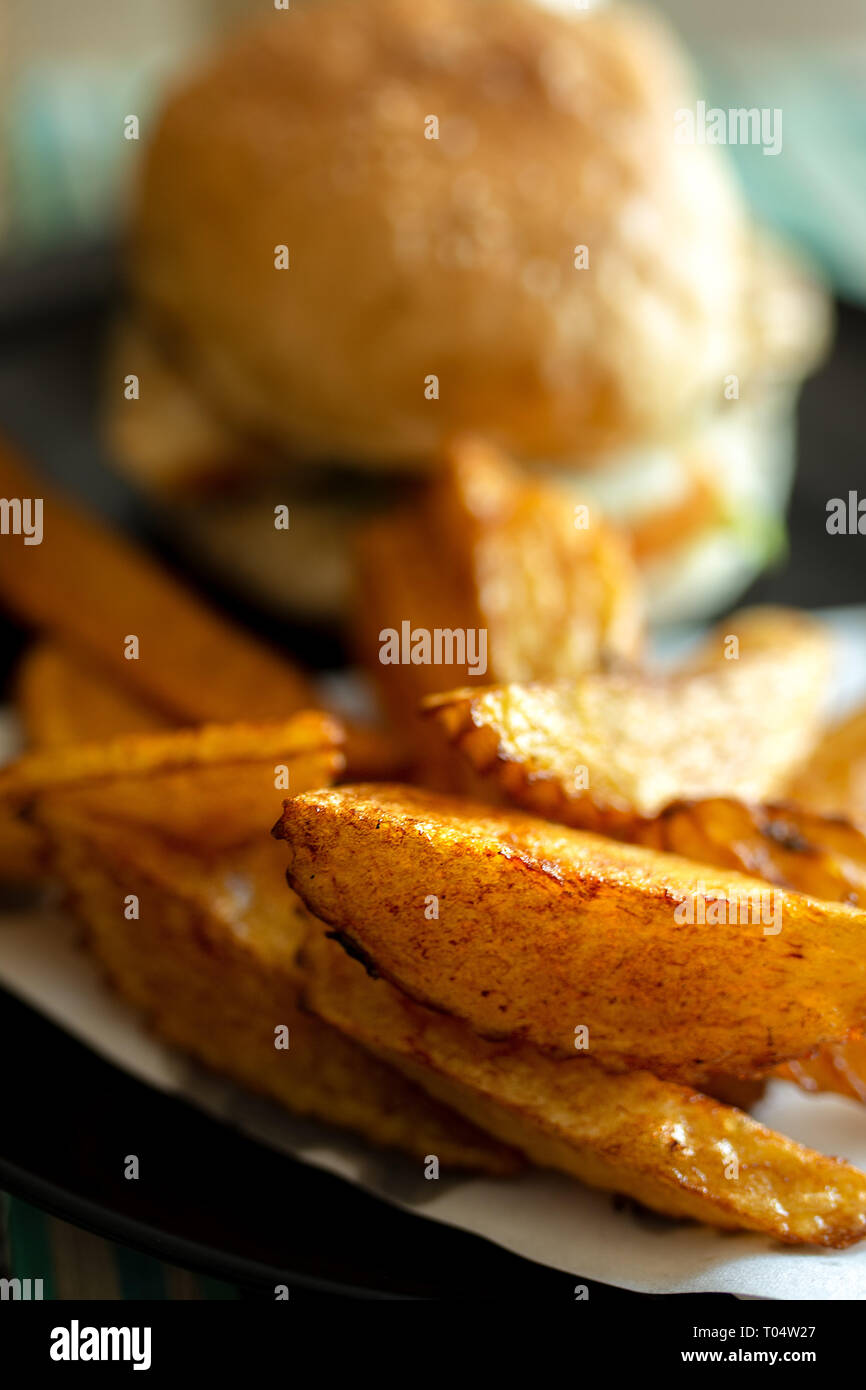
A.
x: 669, y: 1147
x: 93, y: 589
x: 529, y: 930
x: 552, y: 583
x: 61, y: 700
x: 137, y: 755
x: 834, y: 778
x: 174, y: 781
x: 610, y: 750
x: 487, y: 550
x: 824, y: 856
x: 838, y: 1067
x: 209, y: 961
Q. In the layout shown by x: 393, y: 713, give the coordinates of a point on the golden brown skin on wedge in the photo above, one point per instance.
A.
x: 210, y: 963
x: 838, y: 1067
x: 171, y: 781
x: 787, y: 845
x: 541, y: 929
x: 608, y: 751
x: 90, y: 588
x: 487, y: 548
x: 60, y: 700
x: 824, y: 856
x: 834, y: 779
x: 665, y: 1145
x: 556, y: 597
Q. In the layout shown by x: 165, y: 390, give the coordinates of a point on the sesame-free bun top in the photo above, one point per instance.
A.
x: 452, y: 257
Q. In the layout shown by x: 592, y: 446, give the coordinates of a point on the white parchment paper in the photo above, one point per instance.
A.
x: 543, y: 1216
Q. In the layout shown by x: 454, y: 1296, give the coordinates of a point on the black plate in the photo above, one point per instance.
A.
x: 210, y: 1199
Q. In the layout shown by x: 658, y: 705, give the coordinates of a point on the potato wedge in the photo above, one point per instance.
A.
x: 824, y: 856
x: 58, y: 702
x: 834, y: 778
x: 171, y: 782
x: 93, y: 589
x: 838, y: 1067
x: 487, y: 549
x: 61, y: 701
x: 665, y: 1145
x: 609, y: 751
x: 542, y: 929
x: 557, y: 596
x: 210, y: 963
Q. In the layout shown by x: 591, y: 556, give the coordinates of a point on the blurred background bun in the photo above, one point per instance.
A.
x: 413, y: 258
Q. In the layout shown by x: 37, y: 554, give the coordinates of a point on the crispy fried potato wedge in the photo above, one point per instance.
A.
x: 61, y: 701
x: 838, y: 1067
x: 488, y: 550
x: 172, y: 782
x: 611, y: 750
x: 665, y: 1145
x: 557, y: 597
x: 210, y: 963
x: 834, y: 778
x: 824, y: 856
x: 542, y: 929
x: 93, y: 589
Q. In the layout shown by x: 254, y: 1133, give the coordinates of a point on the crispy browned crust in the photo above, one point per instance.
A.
x: 209, y: 962
x: 170, y: 782
x: 608, y: 751
x: 822, y: 855
x: 540, y: 928
x: 487, y: 549
x: 665, y: 1145
x: 59, y: 702
x: 91, y: 588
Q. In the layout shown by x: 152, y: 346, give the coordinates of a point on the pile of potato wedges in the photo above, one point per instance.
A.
x: 574, y: 912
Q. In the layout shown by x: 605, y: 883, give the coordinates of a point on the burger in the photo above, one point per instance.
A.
x: 366, y: 226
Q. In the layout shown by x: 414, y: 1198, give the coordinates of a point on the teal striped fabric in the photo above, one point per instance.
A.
x: 73, y: 1264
